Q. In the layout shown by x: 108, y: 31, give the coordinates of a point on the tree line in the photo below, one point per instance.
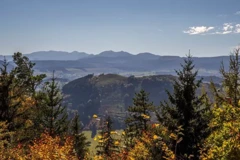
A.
x: 34, y: 123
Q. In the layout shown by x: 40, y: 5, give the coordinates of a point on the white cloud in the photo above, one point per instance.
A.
x: 237, y: 13
x: 226, y: 28
x: 237, y: 28
x: 198, y: 30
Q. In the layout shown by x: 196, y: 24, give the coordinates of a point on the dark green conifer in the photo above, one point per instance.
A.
x: 17, y: 84
x: 53, y: 115
x: 107, y: 144
x: 80, y: 140
x: 231, y: 81
x: 186, y: 109
x: 138, y: 118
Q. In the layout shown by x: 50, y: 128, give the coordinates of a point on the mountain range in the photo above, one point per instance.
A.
x: 81, y: 63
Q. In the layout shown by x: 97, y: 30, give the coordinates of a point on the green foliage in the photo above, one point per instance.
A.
x: 231, y: 91
x: 24, y: 73
x: 224, y: 141
x: 80, y: 141
x: 8, y: 93
x: 53, y: 118
x: 188, y: 128
x: 15, y: 87
x: 107, y: 144
x: 95, y: 95
x: 186, y: 109
x: 5, y: 136
x: 138, y: 119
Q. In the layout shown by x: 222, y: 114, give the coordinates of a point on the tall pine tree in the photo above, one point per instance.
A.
x: 186, y: 109
x: 231, y: 91
x: 138, y: 118
x: 53, y: 115
x: 107, y: 146
x: 16, y: 86
x: 80, y: 140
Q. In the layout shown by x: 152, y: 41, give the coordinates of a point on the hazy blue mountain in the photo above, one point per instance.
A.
x: 52, y: 55
x: 147, y: 55
x: 114, y: 54
x: 57, y: 55
x: 119, y: 62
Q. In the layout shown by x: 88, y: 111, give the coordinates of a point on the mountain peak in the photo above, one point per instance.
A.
x: 111, y: 53
x: 147, y: 55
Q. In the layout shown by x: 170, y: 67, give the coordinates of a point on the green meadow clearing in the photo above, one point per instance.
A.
x: 94, y: 141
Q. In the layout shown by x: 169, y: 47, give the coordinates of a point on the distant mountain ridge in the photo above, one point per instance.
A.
x: 75, y: 55
x: 80, y: 63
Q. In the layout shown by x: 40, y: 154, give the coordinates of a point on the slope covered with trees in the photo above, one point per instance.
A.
x: 34, y: 123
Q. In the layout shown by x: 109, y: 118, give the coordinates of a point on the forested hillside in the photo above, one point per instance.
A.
x: 182, y: 117
x: 112, y: 94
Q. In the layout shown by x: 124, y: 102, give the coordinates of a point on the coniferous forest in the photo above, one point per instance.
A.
x: 36, y: 123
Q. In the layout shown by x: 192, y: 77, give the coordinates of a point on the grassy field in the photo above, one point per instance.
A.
x: 94, y: 143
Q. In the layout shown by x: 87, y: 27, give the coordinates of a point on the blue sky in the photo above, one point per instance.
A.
x: 163, y: 27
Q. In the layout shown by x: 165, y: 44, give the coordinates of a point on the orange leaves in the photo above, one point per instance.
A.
x: 49, y: 148
x: 140, y: 151
x: 46, y: 148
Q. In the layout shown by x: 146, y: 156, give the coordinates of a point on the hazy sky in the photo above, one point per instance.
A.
x: 164, y: 27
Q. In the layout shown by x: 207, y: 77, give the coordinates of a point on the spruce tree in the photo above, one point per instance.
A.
x: 8, y: 109
x: 24, y: 73
x: 80, y: 140
x: 107, y: 144
x: 186, y: 109
x: 231, y: 91
x: 15, y: 86
x: 138, y: 118
x: 53, y: 115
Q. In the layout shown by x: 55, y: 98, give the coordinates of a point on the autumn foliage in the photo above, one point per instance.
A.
x: 53, y: 148
x: 34, y: 124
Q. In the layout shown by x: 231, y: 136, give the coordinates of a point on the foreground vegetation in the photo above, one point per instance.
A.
x: 35, y: 125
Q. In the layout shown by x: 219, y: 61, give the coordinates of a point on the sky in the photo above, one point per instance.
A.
x: 162, y: 27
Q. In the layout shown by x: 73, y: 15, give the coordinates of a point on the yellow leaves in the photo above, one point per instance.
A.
x: 173, y: 136
x: 157, y: 125
x: 50, y: 148
x: 169, y: 155
x: 116, y: 143
x: 28, y: 123
x: 155, y: 137
x: 113, y: 132
x: 13, y: 153
x: 145, y: 116
x: 98, y: 157
x: 139, y: 148
x: 223, y: 142
x: 124, y: 133
x: 239, y: 103
x: 142, y: 151
x: 95, y: 116
x: 100, y: 141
